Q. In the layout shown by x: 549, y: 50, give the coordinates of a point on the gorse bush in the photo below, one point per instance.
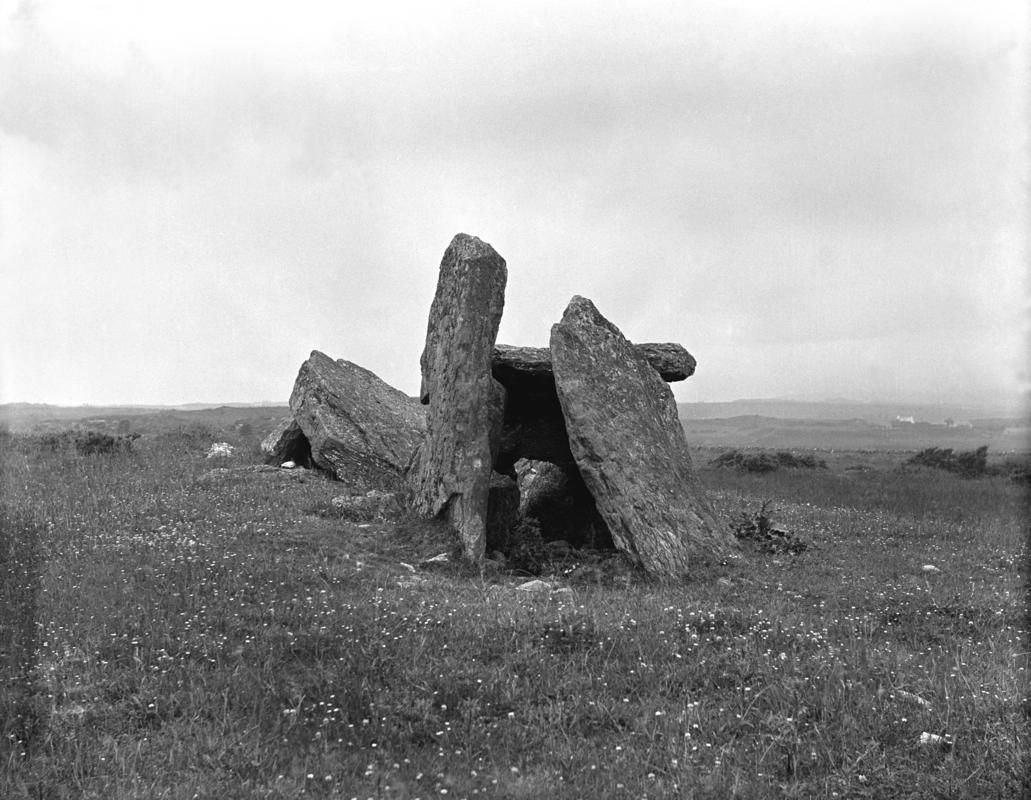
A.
x: 1017, y: 469
x: 95, y: 443
x: 970, y: 464
x: 766, y: 462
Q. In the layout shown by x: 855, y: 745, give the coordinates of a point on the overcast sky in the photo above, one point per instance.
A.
x: 817, y: 199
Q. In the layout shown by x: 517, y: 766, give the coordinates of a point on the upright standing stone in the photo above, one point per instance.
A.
x: 451, y: 473
x: 629, y: 446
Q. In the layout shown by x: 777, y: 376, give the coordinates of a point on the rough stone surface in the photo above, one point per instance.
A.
x: 287, y: 442
x: 512, y: 364
x: 556, y: 498
x: 630, y: 448
x: 452, y: 472
x: 359, y: 428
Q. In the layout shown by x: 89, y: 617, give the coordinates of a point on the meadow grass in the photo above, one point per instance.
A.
x: 226, y: 634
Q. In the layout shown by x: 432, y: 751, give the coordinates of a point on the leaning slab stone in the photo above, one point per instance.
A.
x: 359, y: 428
x: 286, y: 442
x: 452, y: 472
x: 630, y: 448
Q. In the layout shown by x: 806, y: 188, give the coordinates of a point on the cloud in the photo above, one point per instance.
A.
x: 737, y: 177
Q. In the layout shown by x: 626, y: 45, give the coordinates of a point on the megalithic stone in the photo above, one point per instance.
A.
x: 534, y: 428
x: 359, y: 428
x: 513, y: 365
x: 451, y: 473
x: 630, y: 448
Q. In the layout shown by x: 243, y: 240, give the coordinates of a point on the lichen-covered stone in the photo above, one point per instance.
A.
x: 629, y: 446
x: 360, y: 428
x: 452, y: 472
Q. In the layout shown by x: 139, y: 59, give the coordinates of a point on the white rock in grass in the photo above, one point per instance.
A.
x: 913, y: 698
x: 220, y: 449
x: 534, y: 586
x: 930, y: 569
x: 934, y: 740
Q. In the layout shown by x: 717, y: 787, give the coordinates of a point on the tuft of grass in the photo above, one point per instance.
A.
x: 230, y: 636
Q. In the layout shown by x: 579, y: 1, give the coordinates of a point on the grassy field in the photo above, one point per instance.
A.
x: 229, y: 634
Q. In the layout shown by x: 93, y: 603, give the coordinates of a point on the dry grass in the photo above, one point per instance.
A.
x: 226, y: 636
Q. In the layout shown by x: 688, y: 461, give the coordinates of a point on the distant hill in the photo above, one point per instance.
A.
x: 851, y: 426
x: 743, y: 423
x: 24, y: 417
x: 882, y: 413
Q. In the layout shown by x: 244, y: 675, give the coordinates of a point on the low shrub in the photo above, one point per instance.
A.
x: 95, y: 443
x: 970, y: 464
x: 766, y: 462
x: 1016, y: 469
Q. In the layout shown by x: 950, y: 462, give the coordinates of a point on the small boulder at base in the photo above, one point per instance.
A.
x: 451, y: 473
x: 359, y: 428
x: 627, y: 442
x: 557, y: 500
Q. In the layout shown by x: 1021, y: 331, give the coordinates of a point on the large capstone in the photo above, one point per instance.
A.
x: 629, y: 446
x: 451, y: 474
x: 534, y: 428
x: 515, y: 364
x: 359, y: 428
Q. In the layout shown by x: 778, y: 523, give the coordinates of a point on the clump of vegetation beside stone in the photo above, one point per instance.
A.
x: 760, y: 529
